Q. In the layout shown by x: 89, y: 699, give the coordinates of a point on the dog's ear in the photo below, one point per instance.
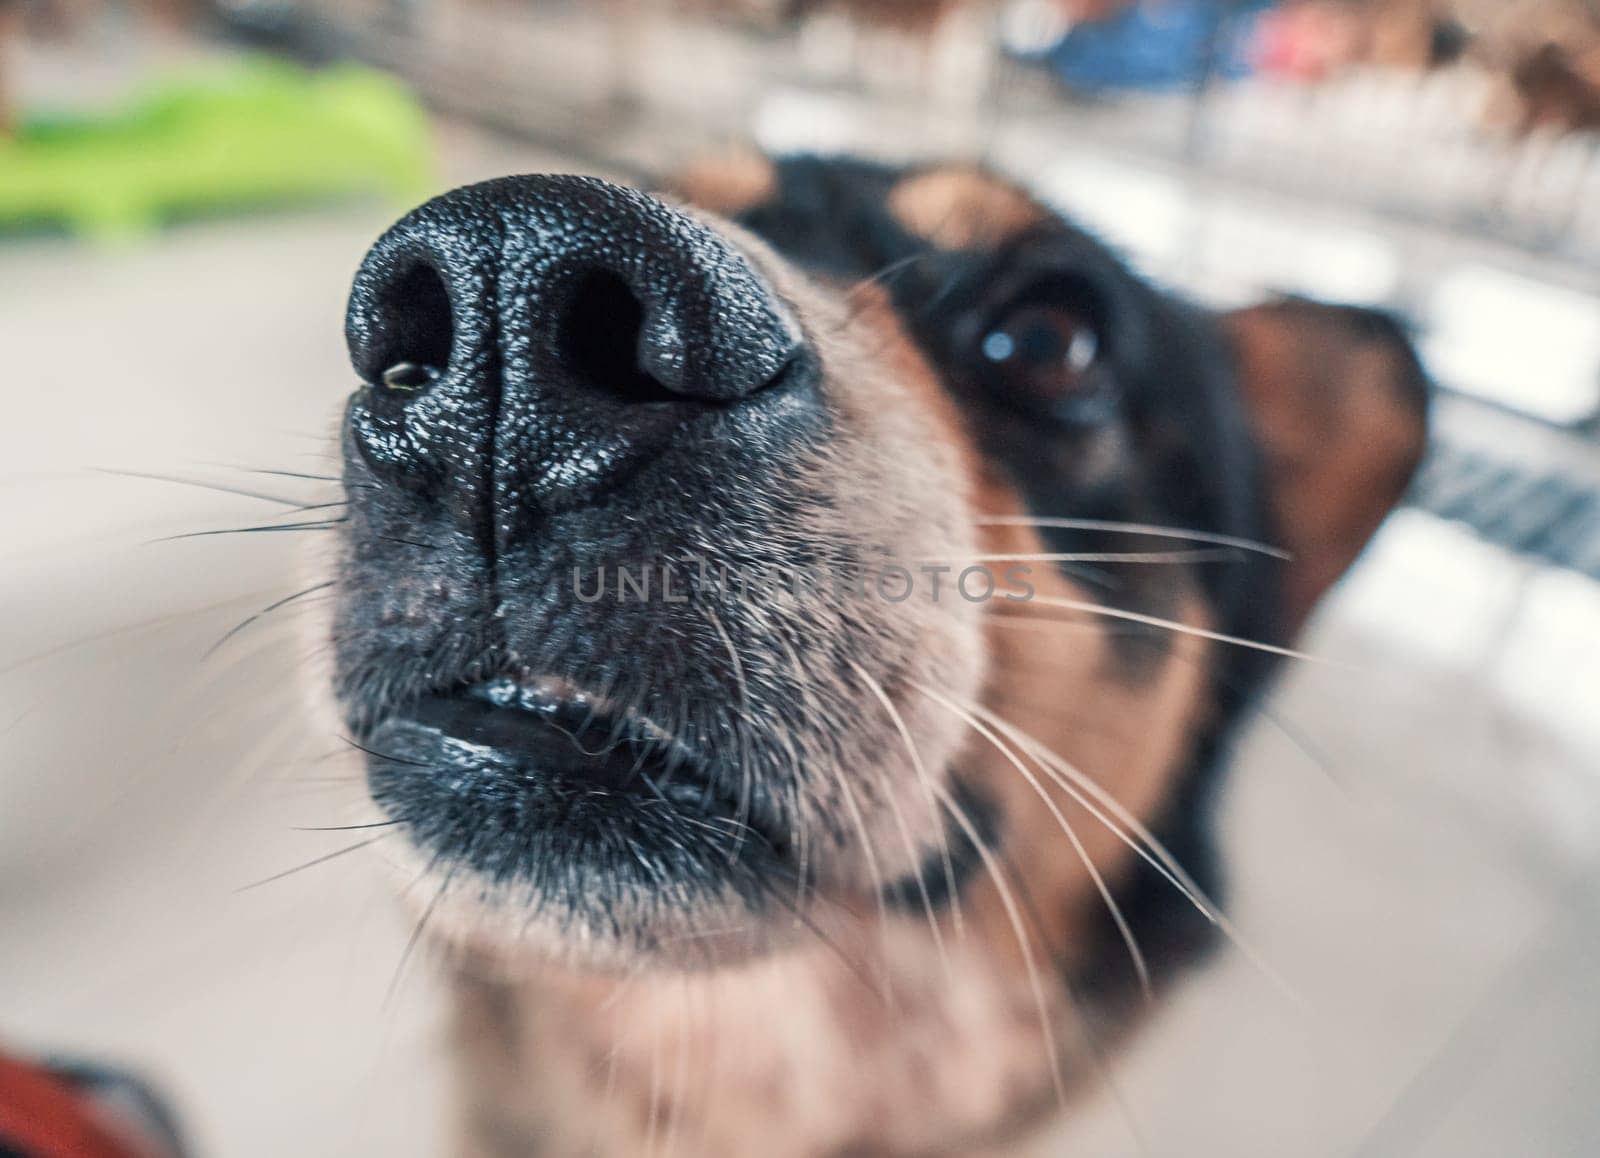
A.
x: 1339, y: 401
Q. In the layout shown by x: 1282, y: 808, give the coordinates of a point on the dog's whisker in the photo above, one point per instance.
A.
x: 1174, y: 557
x: 320, y: 525
x: 1166, y: 864
x: 304, y: 476
x: 129, y: 629
x: 855, y: 298
x: 393, y: 989
x: 384, y: 756
x: 319, y: 506
x: 331, y: 478
x: 1095, y: 609
x: 314, y: 862
x: 265, y: 611
x: 856, y: 969
x: 1115, y: 527
x: 1008, y: 901
x: 1076, y: 784
x: 220, y: 488
x: 1135, y: 954
x: 1081, y: 1020
x: 409, y: 542
x: 925, y: 782
x: 799, y: 832
x: 883, y: 274
x: 914, y: 860
x: 1287, y: 728
x: 869, y: 846
x: 869, y: 850
x: 746, y: 775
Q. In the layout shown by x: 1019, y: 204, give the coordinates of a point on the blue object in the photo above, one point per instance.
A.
x: 1158, y: 44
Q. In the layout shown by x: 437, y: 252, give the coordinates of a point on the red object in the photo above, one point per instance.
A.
x: 1304, y: 41
x: 43, y: 1116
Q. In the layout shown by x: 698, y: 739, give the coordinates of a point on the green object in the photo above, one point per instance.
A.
x: 255, y: 133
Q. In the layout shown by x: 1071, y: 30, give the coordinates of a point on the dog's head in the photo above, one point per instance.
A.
x: 719, y: 564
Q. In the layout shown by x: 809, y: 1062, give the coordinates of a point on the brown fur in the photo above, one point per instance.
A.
x: 958, y: 207
x: 727, y: 184
x: 1342, y: 434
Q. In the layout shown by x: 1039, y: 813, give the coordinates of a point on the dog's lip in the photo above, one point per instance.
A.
x: 546, y: 727
x: 595, y: 725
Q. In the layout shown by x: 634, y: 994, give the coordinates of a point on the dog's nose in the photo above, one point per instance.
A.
x: 527, y: 339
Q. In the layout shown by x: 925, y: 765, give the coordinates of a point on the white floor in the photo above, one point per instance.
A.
x: 1413, y: 843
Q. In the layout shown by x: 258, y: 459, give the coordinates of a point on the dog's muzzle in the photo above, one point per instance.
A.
x: 561, y: 377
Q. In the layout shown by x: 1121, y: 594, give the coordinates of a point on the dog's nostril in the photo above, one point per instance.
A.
x: 599, y: 339
x: 418, y: 331
x: 410, y: 376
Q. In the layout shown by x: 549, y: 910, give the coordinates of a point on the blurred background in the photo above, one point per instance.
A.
x: 185, y: 190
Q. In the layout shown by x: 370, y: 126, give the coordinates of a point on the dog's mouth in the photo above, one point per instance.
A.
x: 562, y: 733
x: 538, y: 783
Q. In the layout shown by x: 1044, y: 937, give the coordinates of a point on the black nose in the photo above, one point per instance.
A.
x: 530, y: 339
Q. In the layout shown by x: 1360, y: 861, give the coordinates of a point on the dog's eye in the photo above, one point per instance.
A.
x: 1044, y: 354
x: 408, y: 376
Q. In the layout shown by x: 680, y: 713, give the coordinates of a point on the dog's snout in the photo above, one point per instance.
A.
x: 533, y: 336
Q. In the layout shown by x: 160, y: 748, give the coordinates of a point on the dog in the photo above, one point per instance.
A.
x: 884, y: 862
